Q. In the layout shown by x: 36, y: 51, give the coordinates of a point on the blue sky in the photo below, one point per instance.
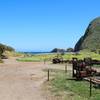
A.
x: 38, y: 25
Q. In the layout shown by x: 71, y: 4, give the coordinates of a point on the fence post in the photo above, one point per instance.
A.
x: 48, y: 74
x: 90, y: 80
x: 44, y: 61
x: 90, y: 87
x: 65, y: 68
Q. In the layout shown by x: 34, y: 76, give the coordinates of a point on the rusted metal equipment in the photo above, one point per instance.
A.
x: 57, y: 60
x: 94, y: 80
x: 82, y: 68
x: 97, y: 62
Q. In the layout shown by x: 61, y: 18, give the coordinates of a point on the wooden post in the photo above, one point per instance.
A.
x: 44, y: 61
x: 90, y: 79
x: 66, y: 68
x: 90, y: 87
x: 48, y: 74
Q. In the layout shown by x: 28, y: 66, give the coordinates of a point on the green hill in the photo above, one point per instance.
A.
x: 4, y: 48
x: 91, y: 39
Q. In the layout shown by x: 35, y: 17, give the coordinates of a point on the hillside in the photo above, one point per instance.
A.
x: 4, y: 48
x: 91, y: 39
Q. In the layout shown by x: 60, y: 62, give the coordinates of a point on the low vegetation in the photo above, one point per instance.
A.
x: 36, y: 58
x: 13, y: 54
x: 63, y: 85
x: 67, y: 56
x: 3, y: 49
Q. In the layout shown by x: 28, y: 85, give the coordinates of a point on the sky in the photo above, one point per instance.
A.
x: 41, y: 25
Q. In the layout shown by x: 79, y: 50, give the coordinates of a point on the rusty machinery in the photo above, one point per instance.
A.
x: 82, y: 68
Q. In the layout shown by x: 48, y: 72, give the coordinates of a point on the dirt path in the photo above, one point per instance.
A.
x: 21, y: 81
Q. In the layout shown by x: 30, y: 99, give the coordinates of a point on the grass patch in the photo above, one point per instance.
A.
x: 1, y: 61
x: 82, y: 55
x: 48, y: 57
x: 29, y: 59
x: 96, y: 66
x: 78, y: 90
x: 13, y: 54
x: 37, y: 58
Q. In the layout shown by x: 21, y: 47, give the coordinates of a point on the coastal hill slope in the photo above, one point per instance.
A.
x: 3, y: 51
x: 5, y: 48
x: 91, y: 39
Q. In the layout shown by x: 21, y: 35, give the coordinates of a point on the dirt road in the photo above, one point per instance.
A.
x: 24, y: 80
x: 21, y: 80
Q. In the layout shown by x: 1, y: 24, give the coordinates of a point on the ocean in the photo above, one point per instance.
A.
x: 37, y: 53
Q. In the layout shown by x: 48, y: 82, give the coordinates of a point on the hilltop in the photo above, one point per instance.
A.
x: 91, y: 39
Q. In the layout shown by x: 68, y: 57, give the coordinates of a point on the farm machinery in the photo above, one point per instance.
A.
x: 58, y: 60
x: 82, y: 68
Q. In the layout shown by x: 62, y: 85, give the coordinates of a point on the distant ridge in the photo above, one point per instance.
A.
x: 91, y: 39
